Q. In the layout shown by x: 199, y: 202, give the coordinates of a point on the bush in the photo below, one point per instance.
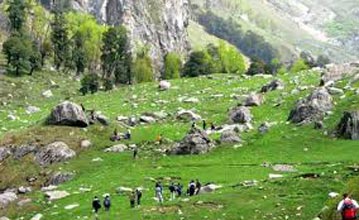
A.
x: 108, y: 84
x: 142, y: 69
x: 199, y: 63
x: 90, y: 83
x: 172, y: 66
x: 299, y: 65
x: 257, y: 67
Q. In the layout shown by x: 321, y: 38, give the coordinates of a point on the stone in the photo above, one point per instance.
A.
x: 195, y: 142
x: 11, y: 117
x: 164, y: 85
x: 4, y: 153
x: 72, y: 206
x: 68, y: 113
x: 47, y: 94
x: 122, y: 189
x: 312, y: 108
x: 333, y: 194
x: 32, y: 109
x: 48, y: 188
x: 118, y: 148
x: 4, y: 218
x: 254, y: 100
x: 24, y: 190
x: 23, y: 150
x: 318, y: 125
x: 102, y: 119
x: 6, y: 198
x: 23, y: 202
x: 85, y: 144
x: 37, y: 217
x: 230, y: 137
x: 348, y: 126
x: 188, y: 115
x: 54, y: 153
x: 191, y: 100
x: 274, y: 85
x: 209, y: 188
x: 249, y: 183
x: 335, y: 91
x: 264, y: 128
x: 283, y: 168
x: 97, y: 159
x: 56, y: 195
x: 59, y: 178
x: 275, y: 176
x: 240, y: 115
x: 122, y: 118
x: 147, y: 119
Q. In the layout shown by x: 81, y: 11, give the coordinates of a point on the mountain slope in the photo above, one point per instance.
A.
x: 322, y: 27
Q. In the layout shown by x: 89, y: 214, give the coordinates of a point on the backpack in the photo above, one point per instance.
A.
x: 349, y: 210
x: 107, y: 203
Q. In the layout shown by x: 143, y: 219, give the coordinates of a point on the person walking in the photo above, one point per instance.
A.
x: 191, y: 188
x: 135, y: 152
x: 138, y: 197
x: 179, y: 189
x: 107, y: 203
x: 158, y: 191
x: 132, y: 198
x: 172, y: 189
x: 204, y: 124
x: 198, y: 186
x: 348, y: 207
x: 96, y: 205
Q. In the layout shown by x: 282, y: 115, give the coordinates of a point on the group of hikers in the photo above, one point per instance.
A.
x: 175, y: 189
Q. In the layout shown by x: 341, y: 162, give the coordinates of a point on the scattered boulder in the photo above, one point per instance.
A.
x: 209, y: 188
x: 275, y: 176
x: 164, y: 85
x: 312, y: 108
x: 72, y: 206
x: 188, y: 115
x: 4, y: 153
x: 333, y: 194
x: 23, y: 202
x: 6, y: 198
x: 249, y: 183
x: 32, y: 109
x: 335, y: 91
x: 68, y: 113
x: 24, y: 190
x: 11, y: 117
x: 4, y: 218
x: 85, y: 144
x: 53, y: 153
x: 122, y: 189
x: 254, y: 100
x: 192, y: 100
x: 102, y: 119
x: 284, y: 168
x: 195, y: 142
x: 47, y: 94
x: 119, y: 148
x: 230, y: 137
x: 348, y: 126
x: 59, y: 178
x: 55, y: 195
x: 240, y: 114
x: 122, y: 118
x: 23, y: 150
x: 274, y: 85
x: 37, y: 217
x: 48, y: 188
x: 264, y: 128
x: 147, y: 119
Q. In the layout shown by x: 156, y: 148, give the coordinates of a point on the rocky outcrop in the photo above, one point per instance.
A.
x: 312, y: 108
x: 348, y: 126
x: 195, y: 142
x: 6, y: 198
x: 4, y: 153
x: 230, y: 137
x: 240, y: 114
x: 254, y: 100
x: 59, y: 178
x: 161, y: 25
x: 68, y: 113
x: 53, y: 153
x: 274, y: 85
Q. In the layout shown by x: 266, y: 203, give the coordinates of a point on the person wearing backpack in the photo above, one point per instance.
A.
x: 348, y: 208
x: 96, y: 205
x: 107, y: 203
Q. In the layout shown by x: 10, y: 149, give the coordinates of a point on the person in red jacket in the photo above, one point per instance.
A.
x: 348, y: 207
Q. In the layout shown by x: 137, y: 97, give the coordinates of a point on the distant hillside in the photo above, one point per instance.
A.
x: 321, y: 27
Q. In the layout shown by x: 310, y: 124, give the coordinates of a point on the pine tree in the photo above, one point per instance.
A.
x: 17, y: 14
x: 78, y: 54
x: 60, y: 40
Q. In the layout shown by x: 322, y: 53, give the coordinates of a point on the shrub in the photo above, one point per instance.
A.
x: 172, y: 66
x: 199, y: 63
x: 90, y: 83
x: 142, y: 69
x: 298, y: 66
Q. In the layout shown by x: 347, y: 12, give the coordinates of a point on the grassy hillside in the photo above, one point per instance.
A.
x: 290, y: 197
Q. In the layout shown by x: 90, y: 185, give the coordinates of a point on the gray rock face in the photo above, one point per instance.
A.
x: 240, y: 114
x: 4, y: 153
x: 312, y: 108
x: 161, y: 25
x: 254, y: 100
x: 23, y: 150
x: 6, y: 198
x: 196, y: 142
x: 68, y: 113
x: 59, y: 178
x: 53, y: 153
x: 348, y: 126
x: 230, y: 137
x: 274, y: 85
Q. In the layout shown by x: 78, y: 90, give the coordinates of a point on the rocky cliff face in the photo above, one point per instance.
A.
x: 160, y: 25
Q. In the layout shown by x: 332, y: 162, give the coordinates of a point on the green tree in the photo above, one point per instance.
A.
x: 172, y: 66
x: 60, y: 40
x: 231, y: 60
x: 199, y: 63
x: 17, y: 14
x: 18, y: 50
x: 299, y: 65
x: 142, y: 68
x: 79, y: 53
x: 116, y: 56
x: 34, y: 59
x: 257, y: 67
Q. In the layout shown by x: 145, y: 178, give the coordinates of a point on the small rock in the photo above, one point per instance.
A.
x: 23, y: 202
x: 23, y: 190
x: 32, y: 109
x: 11, y: 117
x: 47, y: 94
x: 55, y: 195
x: 333, y: 194
x: 72, y: 206
x: 48, y: 188
x: 4, y: 218
x: 147, y: 119
x: 119, y: 148
x: 264, y: 128
x: 164, y: 85
x: 230, y: 137
x: 37, y: 217
x: 209, y: 188
x: 59, y: 178
x: 275, y: 176
x: 191, y: 100
x: 122, y: 189
x: 85, y: 144
x: 335, y: 91
x: 254, y: 100
x: 6, y: 198
x: 97, y: 159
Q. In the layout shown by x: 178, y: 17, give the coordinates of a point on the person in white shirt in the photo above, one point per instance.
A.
x: 348, y: 207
